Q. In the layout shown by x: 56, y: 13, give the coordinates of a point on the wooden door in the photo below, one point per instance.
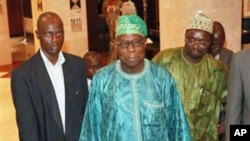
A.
x: 15, y: 17
x: 97, y: 30
x: 16, y: 14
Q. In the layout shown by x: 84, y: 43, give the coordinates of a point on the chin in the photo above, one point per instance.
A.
x: 132, y: 65
x: 196, y: 56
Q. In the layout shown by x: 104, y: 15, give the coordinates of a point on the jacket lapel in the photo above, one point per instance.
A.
x: 68, y: 80
x: 47, y: 91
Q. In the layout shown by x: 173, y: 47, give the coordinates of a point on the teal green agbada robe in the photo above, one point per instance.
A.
x: 134, y: 107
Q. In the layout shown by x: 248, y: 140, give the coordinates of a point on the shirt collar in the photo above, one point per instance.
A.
x: 60, y: 61
x: 217, y: 56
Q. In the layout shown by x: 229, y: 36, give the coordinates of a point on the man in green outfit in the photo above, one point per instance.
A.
x: 201, y: 80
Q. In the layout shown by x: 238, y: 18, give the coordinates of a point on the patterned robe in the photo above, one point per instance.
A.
x: 202, y: 87
x: 134, y: 107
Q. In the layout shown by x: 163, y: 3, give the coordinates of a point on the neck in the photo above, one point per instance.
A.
x: 132, y: 69
x: 192, y: 60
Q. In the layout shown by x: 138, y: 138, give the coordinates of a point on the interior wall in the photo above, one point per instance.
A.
x: 5, y: 52
x: 74, y: 19
x: 174, y: 17
x: 246, y: 8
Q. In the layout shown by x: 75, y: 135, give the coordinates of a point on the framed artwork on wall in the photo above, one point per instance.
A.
x: 75, y: 4
x: 246, y: 9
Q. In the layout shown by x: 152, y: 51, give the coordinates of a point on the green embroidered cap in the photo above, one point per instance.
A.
x: 131, y: 24
x: 201, y: 22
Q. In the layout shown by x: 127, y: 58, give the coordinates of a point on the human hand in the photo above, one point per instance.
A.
x: 221, y: 128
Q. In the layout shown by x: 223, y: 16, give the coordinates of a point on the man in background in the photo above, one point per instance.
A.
x: 93, y: 62
x: 224, y: 55
x: 217, y: 48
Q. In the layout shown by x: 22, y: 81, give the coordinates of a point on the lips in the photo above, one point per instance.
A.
x: 195, y: 51
x: 54, y: 46
x: 131, y: 59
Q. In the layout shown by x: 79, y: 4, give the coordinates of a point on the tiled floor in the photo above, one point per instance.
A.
x: 8, y: 128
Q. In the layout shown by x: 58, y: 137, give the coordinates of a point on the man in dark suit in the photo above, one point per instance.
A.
x: 50, y: 89
x: 224, y: 55
x: 217, y: 49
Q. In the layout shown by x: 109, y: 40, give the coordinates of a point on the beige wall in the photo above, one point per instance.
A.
x: 5, y: 52
x: 75, y: 42
x: 174, y: 16
x: 246, y: 8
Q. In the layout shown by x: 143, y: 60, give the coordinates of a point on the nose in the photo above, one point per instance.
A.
x: 131, y: 48
x: 196, y: 44
x: 54, y: 37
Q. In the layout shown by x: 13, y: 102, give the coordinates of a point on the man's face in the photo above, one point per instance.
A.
x: 51, y: 36
x: 131, y: 51
x: 93, y: 64
x: 217, y: 43
x: 197, y: 43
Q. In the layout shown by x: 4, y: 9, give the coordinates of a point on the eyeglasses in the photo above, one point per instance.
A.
x: 124, y: 44
x: 202, y: 43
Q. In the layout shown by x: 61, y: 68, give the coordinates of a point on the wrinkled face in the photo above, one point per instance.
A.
x: 131, y: 51
x: 93, y: 64
x: 51, y: 36
x: 197, y: 43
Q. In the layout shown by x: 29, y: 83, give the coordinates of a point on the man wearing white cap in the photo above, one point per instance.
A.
x: 201, y: 80
x: 133, y: 99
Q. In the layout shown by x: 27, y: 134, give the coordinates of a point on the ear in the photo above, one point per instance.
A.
x: 37, y: 34
x: 145, y: 42
x: 186, y: 33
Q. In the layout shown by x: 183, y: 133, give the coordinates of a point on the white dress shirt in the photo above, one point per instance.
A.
x: 56, y: 76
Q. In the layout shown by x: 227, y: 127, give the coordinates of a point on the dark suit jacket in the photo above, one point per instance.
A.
x: 226, y: 56
x: 37, y: 111
x: 238, y: 101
